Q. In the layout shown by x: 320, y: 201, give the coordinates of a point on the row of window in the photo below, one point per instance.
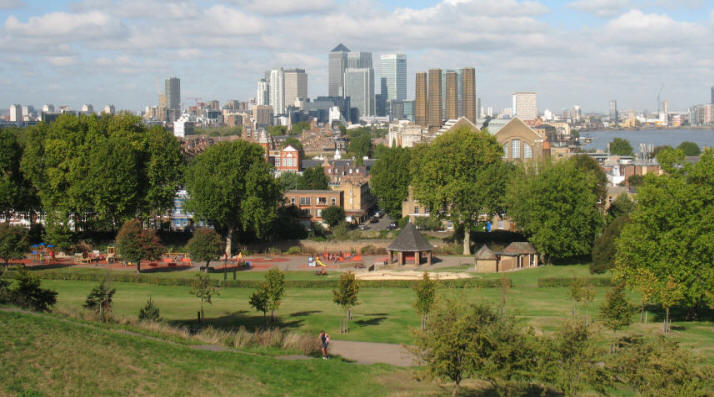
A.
x: 288, y: 162
x: 515, y: 147
x: 318, y: 201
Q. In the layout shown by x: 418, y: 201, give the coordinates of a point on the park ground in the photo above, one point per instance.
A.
x: 384, y: 315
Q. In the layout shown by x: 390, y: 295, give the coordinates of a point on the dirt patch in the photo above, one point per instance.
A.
x: 410, y: 275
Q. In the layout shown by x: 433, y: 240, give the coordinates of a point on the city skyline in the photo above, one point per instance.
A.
x: 569, y: 52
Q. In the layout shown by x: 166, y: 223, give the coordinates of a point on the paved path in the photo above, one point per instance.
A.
x: 371, y: 353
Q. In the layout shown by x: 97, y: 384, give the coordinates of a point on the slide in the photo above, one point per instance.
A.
x: 319, y: 262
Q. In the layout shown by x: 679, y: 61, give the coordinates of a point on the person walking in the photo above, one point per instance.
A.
x: 324, y: 341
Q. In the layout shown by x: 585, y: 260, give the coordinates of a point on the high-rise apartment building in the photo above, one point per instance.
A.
x: 359, y: 60
x: 336, y: 72
x: 87, y: 108
x: 452, y: 95
x: 434, y: 113
x: 420, y: 101
x: 109, y: 109
x: 262, y: 95
x: 458, y: 90
x: 277, y: 91
x: 295, y: 85
x: 468, y: 95
x: 359, y: 87
x: 393, y: 71
x: 48, y: 108
x: 525, y: 106
x: 613, y: 111
x: 15, y: 113
x: 172, y: 93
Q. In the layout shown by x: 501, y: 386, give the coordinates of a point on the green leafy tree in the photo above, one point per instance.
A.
x: 290, y: 181
x: 460, y: 176
x: 294, y: 142
x: 314, y: 178
x: 275, y: 288
x: 556, y: 207
x: 58, y: 232
x: 204, y: 246
x: 426, y: 295
x: 670, y: 294
x: 616, y: 310
x: 621, y: 147
x: 16, y: 192
x: 389, y: 180
x: 346, y: 296
x: 671, y: 230
x: 260, y: 301
x: 27, y: 293
x: 232, y: 188
x: 333, y: 215
x: 203, y: 289
x: 136, y: 243
x: 646, y: 285
x: 278, y: 130
x: 99, y: 300
x: 361, y: 145
x: 689, y: 148
x: 604, y: 246
x: 589, y: 165
x: 622, y: 205
x: 164, y: 169
x: 150, y: 312
x: 671, y: 160
x: 13, y: 243
x: 299, y: 127
x: 635, y: 180
x: 576, y: 292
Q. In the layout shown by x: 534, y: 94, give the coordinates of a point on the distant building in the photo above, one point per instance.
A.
x: 711, y: 101
x: 263, y: 116
x: 336, y: 70
x: 434, y: 115
x: 262, y: 94
x: 359, y: 87
x: 287, y: 160
x: 295, y: 85
x: 87, y: 109
x: 420, y: 103
x: 452, y: 95
x: 525, y: 106
x: 277, y: 90
x: 613, y: 111
x: 359, y: 60
x: 16, y: 113
x: 393, y: 68
x: 172, y: 92
x: 183, y: 127
x: 313, y: 202
x: 444, y: 97
x: 469, y: 107
x: 109, y: 109
x: 48, y: 108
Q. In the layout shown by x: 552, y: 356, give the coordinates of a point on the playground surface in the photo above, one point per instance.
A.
x: 410, y: 275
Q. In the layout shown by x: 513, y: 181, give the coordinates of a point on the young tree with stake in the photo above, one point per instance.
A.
x: 426, y: 295
x: 346, y: 296
x: 203, y: 289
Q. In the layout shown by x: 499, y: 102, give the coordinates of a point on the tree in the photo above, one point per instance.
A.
x: 13, y: 243
x: 294, y: 142
x: 314, y: 178
x: 576, y: 292
x: 670, y: 294
x: 689, y: 148
x: 333, y: 215
x: 671, y: 230
x: 390, y: 179
x: 604, y: 245
x: 260, y: 301
x: 635, y: 180
x: 360, y: 145
x: 646, y: 285
x: 231, y: 187
x: 164, y: 169
x: 16, y: 192
x: 277, y: 130
x: 460, y: 176
x: 621, y: 147
x: 275, y: 288
x: 587, y: 164
x: 346, y: 296
x: 203, y: 289
x: 556, y: 207
x: 426, y: 295
x: 28, y: 293
x: 299, y: 127
x: 99, y: 300
x: 205, y: 245
x: 150, y: 312
x: 136, y: 243
x: 616, y: 310
x: 290, y: 181
x: 622, y: 205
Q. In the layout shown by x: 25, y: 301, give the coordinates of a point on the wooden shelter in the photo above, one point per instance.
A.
x: 517, y: 255
x: 410, y: 244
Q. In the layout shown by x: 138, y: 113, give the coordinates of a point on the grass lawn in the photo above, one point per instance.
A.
x: 384, y: 314
x: 45, y: 356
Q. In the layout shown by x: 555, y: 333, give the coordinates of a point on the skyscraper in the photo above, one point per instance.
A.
x: 468, y: 96
x: 262, y: 95
x: 458, y: 90
x: 393, y: 68
x: 420, y: 99
x: 434, y: 114
x: 336, y: 72
x: 295, y: 85
x: 15, y: 112
x: 613, y: 111
x: 359, y: 60
x: 172, y: 92
x: 711, y: 101
x: 452, y: 95
x: 277, y: 91
x: 359, y: 87
x: 525, y: 106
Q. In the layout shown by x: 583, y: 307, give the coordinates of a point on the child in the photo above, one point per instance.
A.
x: 324, y: 340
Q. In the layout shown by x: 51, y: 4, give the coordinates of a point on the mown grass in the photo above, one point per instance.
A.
x: 46, y: 356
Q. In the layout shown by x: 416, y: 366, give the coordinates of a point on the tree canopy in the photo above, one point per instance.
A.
x: 13, y: 242
x: 689, y: 148
x: 232, y: 188
x: 314, y: 178
x: 333, y: 215
x: 360, y: 144
x: 205, y: 245
x: 390, y: 179
x: 136, y: 243
x: 621, y: 147
x: 16, y: 192
x: 460, y: 176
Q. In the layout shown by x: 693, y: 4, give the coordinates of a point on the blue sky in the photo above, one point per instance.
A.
x: 571, y: 52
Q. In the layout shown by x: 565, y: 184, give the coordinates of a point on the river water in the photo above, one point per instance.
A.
x: 672, y: 137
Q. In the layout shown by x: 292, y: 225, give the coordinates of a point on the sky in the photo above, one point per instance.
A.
x: 571, y: 52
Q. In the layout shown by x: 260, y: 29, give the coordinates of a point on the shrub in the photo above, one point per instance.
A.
x: 561, y: 282
x: 27, y: 293
x: 99, y: 300
x: 294, y: 250
x: 341, y: 231
x: 150, y: 312
x: 306, y: 344
x: 604, y: 246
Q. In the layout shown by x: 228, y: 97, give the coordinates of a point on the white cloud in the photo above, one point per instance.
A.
x: 11, y: 4
x: 652, y: 29
x: 288, y: 7
x: 600, y: 8
x: 62, y: 60
x: 56, y: 25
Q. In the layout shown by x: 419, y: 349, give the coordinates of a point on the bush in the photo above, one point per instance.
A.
x: 341, y: 231
x: 99, y: 300
x: 150, y: 312
x: 28, y: 294
x: 604, y: 246
x: 561, y: 282
x: 294, y: 250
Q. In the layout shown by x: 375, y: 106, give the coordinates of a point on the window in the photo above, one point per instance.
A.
x: 505, y: 150
x: 319, y: 213
x: 334, y: 201
x: 292, y: 200
x: 516, y: 148
x: 304, y: 200
x: 416, y: 209
x: 527, y: 151
x: 322, y: 200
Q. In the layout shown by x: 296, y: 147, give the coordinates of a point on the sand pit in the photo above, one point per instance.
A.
x: 410, y: 275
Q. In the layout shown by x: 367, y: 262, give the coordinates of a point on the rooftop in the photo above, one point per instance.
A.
x: 410, y: 240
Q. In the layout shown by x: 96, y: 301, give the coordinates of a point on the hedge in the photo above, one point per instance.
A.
x: 187, y: 282
x: 553, y: 282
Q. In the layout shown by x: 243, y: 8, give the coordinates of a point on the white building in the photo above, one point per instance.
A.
x: 359, y: 86
x: 295, y: 85
x: 109, y: 109
x: 393, y: 68
x: 15, y: 113
x: 263, y: 93
x: 87, y: 108
x: 48, y: 108
x: 525, y: 106
x: 277, y: 90
x: 183, y: 126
